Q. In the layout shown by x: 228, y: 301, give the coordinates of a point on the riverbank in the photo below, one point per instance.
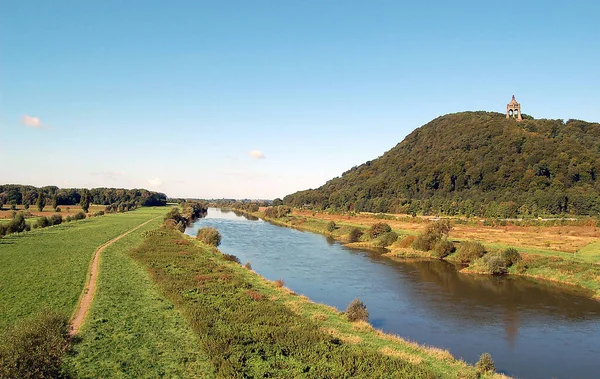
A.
x: 251, y: 326
x: 558, y: 267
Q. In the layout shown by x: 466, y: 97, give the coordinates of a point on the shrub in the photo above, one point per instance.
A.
x: 495, y: 263
x: 357, y: 311
x: 386, y: 239
x: 355, y: 234
x: 35, y: 348
x: 68, y: 219
x: 56, y: 219
x: 468, y: 251
x: 231, y: 258
x: 443, y: 248
x: 99, y: 213
x: 511, y: 256
x: 209, y: 236
x: 433, y: 233
x: 58, y: 209
x: 521, y: 267
x: 43, y: 222
x: 279, y: 283
x: 79, y: 216
x: 278, y: 211
x: 378, y: 229
x: 485, y: 363
x: 16, y: 225
x: 247, y: 266
x: 331, y: 226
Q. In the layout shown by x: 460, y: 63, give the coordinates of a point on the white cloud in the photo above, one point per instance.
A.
x: 155, y: 182
x: 34, y: 122
x: 256, y: 154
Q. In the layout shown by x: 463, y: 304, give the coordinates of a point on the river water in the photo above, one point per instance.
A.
x: 532, y: 329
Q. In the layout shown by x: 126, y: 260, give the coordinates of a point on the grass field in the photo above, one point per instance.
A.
x: 47, y: 268
x: 131, y: 330
x: 251, y: 328
x: 65, y: 210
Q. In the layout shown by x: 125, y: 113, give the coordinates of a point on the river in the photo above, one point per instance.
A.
x: 532, y: 329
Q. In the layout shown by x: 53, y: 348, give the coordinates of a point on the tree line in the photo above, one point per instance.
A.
x: 16, y: 194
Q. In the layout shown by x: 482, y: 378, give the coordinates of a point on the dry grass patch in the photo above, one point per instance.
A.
x: 439, y: 354
x: 347, y: 338
x: 362, y: 326
x: 414, y: 359
x: 319, y: 317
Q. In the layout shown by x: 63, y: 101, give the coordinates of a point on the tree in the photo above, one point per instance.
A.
x: 85, y: 200
x: 41, y: 202
x: 54, y: 202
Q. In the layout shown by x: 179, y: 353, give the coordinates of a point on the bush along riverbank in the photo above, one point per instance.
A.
x: 434, y: 242
x: 251, y: 327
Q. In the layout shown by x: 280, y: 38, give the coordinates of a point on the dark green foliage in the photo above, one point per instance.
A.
x: 98, y: 213
x: 432, y: 234
x: 331, y: 226
x: 209, y: 236
x: 28, y: 195
x: 16, y: 225
x: 443, y: 248
x: 85, y: 199
x: 485, y: 363
x: 192, y: 210
x: 56, y: 219
x: 475, y: 163
x: 386, y: 239
x: 248, y: 338
x: 35, y: 348
x: 40, y: 202
x: 357, y: 311
x: 511, y: 256
x: 277, y: 211
x: 79, y: 216
x: 355, y: 234
x: 13, y: 205
x: 377, y: 229
x: 277, y: 202
x: 468, y: 251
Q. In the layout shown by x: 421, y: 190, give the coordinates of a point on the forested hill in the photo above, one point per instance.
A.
x: 475, y: 163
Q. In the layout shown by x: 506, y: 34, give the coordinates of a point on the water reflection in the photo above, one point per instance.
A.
x: 530, y: 328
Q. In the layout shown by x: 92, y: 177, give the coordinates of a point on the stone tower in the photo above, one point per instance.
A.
x: 513, y: 109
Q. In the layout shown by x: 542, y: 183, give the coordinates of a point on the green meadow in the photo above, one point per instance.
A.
x: 131, y: 330
x: 47, y: 268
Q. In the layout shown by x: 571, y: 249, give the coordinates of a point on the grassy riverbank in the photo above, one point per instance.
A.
x: 251, y: 327
x: 577, y: 269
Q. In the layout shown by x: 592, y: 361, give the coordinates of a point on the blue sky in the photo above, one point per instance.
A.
x: 258, y: 99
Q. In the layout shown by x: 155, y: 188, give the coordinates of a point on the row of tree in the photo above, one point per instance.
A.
x: 16, y: 194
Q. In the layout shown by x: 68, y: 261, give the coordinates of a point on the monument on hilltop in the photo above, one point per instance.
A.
x: 513, y: 109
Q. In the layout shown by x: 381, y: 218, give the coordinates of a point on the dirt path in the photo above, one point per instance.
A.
x: 90, y: 288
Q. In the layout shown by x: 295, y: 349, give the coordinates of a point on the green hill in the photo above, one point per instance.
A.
x: 475, y: 163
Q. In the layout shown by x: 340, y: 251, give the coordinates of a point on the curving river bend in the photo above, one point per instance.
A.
x: 532, y: 329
